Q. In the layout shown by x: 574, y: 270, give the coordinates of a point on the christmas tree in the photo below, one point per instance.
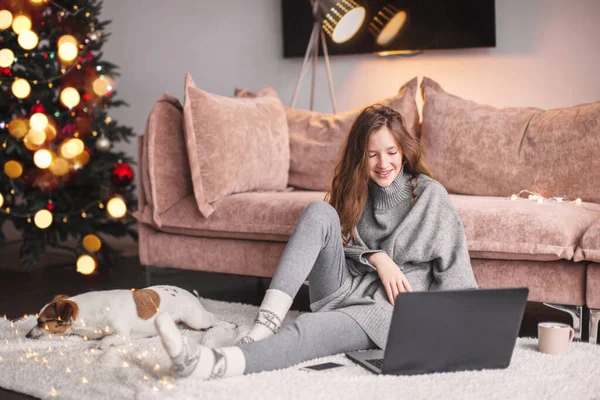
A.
x: 61, y: 177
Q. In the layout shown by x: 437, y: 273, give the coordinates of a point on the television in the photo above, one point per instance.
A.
x: 425, y: 25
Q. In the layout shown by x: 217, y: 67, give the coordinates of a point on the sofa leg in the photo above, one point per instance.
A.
x: 576, y: 313
x: 594, y: 319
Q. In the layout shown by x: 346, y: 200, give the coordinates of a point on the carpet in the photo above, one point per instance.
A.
x: 69, y: 368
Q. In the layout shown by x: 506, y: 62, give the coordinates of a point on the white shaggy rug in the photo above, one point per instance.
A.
x: 67, y: 369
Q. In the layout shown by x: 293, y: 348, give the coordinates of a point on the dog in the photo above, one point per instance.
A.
x: 115, y: 315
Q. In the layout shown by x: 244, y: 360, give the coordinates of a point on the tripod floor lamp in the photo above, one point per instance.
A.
x: 340, y: 19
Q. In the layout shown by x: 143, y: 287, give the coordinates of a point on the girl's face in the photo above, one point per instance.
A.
x: 385, y: 157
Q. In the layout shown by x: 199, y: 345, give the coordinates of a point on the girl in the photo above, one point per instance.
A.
x: 387, y: 228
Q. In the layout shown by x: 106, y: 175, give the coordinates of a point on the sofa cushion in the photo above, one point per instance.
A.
x: 316, y: 139
x: 165, y: 183
x: 482, y: 150
x: 253, y: 215
x: 499, y: 228
x: 589, y: 248
x: 234, y: 145
x: 496, y: 228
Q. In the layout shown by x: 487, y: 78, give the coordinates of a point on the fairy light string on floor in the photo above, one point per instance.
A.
x: 61, y: 176
x: 40, y: 356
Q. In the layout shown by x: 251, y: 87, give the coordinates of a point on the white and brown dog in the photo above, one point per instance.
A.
x: 115, y: 315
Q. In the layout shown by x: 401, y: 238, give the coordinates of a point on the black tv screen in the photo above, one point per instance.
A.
x: 429, y: 25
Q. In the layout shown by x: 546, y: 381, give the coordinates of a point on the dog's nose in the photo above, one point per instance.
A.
x: 28, y: 336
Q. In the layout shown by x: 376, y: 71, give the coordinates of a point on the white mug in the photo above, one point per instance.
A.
x: 554, y: 338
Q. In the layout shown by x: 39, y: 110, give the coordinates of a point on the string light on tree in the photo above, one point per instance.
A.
x: 1, y: 200
x: 21, y: 23
x: 6, y: 19
x: 35, y: 137
x: 21, y: 88
x: 38, y: 121
x: 13, y: 169
x: 116, y: 207
x: 60, y: 166
x: 43, y: 219
x: 50, y: 132
x: 7, y: 57
x: 69, y: 97
x: 67, y: 48
x: 71, y: 148
x: 92, y: 243
x: 82, y: 159
x: 18, y: 128
x: 43, y: 158
x: 102, y: 86
x: 28, y: 40
x: 86, y: 264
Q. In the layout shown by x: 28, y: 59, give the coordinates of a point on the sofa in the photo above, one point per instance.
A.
x: 223, y: 181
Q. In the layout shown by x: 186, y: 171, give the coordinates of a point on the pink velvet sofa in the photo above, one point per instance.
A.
x: 481, y: 154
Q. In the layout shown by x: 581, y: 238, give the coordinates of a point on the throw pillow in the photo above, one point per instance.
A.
x: 234, y: 145
x: 482, y: 150
x: 316, y: 139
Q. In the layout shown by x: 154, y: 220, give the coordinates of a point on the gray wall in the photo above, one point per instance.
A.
x: 547, y: 55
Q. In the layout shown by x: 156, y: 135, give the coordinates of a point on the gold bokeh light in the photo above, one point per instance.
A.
x: 21, y: 88
x: 13, y: 169
x: 18, y: 128
x: 102, y: 86
x: 7, y: 57
x: 21, y: 23
x: 116, y: 207
x: 60, y: 166
x: 86, y: 264
x: 43, y: 158
x: 43, y: 219
x: 67, y: 48
x: 6, y: 19
x: 35, y: 137
x: 69, y: 97
x: 38, y: 121
x: 92, y: 243
x: 28, y: 40
x: 71, y: 148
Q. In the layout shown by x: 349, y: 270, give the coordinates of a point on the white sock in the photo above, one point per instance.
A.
x: 200, y: 362
x: 272, y: 311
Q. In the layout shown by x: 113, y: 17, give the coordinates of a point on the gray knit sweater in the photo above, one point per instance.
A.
x: 426, y: 241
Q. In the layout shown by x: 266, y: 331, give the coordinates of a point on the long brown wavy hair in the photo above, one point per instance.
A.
x: 349, y: 189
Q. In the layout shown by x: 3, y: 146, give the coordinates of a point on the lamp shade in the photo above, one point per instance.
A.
x: 386, y: 25
x: 341, y: 18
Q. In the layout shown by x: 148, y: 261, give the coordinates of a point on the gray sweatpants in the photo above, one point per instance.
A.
x: 315, y: 251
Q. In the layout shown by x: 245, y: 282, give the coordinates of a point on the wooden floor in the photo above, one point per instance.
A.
x: 26, y: 292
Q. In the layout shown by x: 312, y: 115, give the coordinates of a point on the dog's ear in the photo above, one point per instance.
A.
x: 66, y: 310
x: 59, y: 297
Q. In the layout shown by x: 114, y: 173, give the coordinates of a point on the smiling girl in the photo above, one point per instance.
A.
x: 387, y: 228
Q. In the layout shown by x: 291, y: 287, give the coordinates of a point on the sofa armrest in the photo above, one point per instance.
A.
x: 165, y: 157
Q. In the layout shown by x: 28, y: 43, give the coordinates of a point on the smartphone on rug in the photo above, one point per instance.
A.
x: 321, y: 367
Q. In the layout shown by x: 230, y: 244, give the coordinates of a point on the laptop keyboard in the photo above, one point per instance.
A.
x: 378, y: 362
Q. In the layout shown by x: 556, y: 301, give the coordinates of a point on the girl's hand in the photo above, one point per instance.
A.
x: 394, y: 281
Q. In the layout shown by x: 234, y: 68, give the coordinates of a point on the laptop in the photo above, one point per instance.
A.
x: 446, y: 331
